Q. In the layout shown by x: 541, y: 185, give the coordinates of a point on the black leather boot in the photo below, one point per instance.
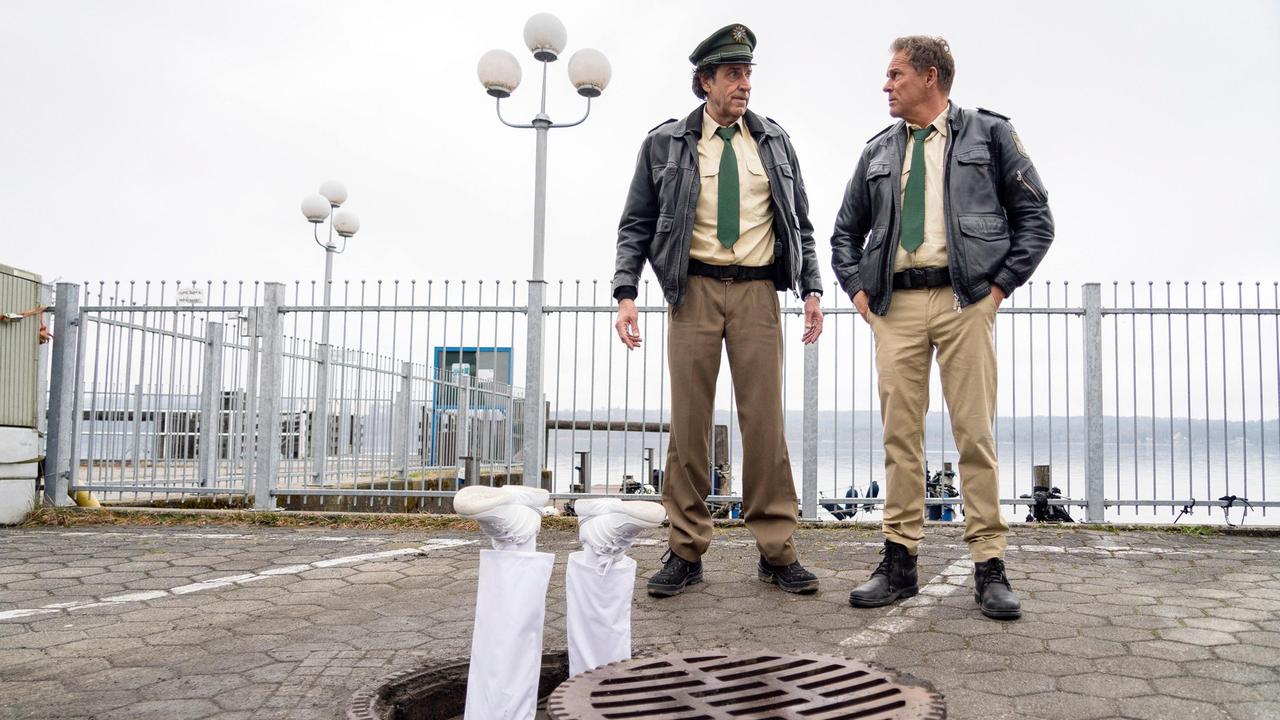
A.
x: 992, y: 592
x: 676, y: 574
x: 894, y: 579
x: 793, y: 578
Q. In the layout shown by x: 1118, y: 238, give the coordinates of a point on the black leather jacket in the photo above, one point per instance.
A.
x: 657, y: 222
x: 998, y: 221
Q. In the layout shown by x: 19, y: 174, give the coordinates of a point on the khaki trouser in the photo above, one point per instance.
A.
x: 917, y: 322
x: 744, y: 318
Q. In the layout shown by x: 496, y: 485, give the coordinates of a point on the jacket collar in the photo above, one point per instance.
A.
x: 956, y: 118
x: 757, y: 126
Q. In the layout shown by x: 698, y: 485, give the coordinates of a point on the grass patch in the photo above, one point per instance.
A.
x: 153, y: 517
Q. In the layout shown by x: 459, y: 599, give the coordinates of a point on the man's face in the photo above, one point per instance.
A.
x: 905, y: 86
x: 729, y: 91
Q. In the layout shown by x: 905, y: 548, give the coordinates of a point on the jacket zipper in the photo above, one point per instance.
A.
x: 1029, y: 187
x: 953, y: 250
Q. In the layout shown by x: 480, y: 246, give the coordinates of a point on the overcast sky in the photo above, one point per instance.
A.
x: 174, y: 140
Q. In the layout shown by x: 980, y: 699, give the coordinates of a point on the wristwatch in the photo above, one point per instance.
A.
x: 812, y: 293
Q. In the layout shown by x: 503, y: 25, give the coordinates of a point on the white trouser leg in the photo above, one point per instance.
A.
x: 598, y: 621
x: 506, y: 645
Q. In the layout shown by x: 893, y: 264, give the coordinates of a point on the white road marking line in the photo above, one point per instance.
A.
x: 950, y: 581
x: 202, y: 536
x: 228, y: 580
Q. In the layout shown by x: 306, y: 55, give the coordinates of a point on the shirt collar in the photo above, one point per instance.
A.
x: 709, y: 124
x: 939, y: 123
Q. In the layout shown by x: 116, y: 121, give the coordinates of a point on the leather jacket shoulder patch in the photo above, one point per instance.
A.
x: 668, y: 121
x: 993, y: 112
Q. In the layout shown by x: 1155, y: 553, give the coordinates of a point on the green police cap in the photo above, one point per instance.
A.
x: 729, y: 44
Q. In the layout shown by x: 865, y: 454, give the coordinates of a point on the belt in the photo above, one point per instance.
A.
x: 917, y: 278
x: 731, y: 272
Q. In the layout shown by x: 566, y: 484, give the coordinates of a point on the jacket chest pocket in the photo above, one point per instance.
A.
x: 878, y: 184
x: 666, y: 184
x: 975, y: 169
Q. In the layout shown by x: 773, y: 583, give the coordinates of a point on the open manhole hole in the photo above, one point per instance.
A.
x: 708, y: 685
x: 701, y: 685
x: 439, y: 692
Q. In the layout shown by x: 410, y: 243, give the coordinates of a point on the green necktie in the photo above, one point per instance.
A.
x: 727, y: 215
x: 913, y: 199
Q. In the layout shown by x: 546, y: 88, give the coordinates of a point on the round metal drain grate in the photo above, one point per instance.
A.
x: 708, y: 685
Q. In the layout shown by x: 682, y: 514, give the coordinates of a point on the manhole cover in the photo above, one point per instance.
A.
x: 722, y: 684
x: 437, y: 692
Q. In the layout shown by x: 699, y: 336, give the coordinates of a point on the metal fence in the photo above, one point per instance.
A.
x: 1140, y: 398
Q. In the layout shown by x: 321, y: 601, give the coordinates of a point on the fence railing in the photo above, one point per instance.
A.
x: 1140, y: 398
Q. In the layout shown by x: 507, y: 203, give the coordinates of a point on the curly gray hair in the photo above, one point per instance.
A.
x: 925, y: 52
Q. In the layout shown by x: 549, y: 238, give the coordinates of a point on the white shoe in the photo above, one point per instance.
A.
x: 608, y: 526
x: 509, y: 514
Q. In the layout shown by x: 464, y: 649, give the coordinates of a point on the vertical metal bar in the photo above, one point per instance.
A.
x: 1208, y: 440
x: 809, y: 469
x: 210, y: 391
x: 128, y: 378
x: 1095, y: 511
x: 1031, y: 371
x: 573, y: 402
x: 591, y: 400
x: 1133, y: 366
x: 405, y: 414
x: 533, y: 420
x: 1226, y: 441
x: 1244, y: 408
x: 608, y: 417
x: 93, y: 430
x: 1013, y: 351
x: 62, y: 394
x: 268, y: 460
x: 835, y: 394
x: 1151, y: 350
x: 1168, y: 354
x: 1066, y: 354
x: 1262, y: 409
x: 77, y: 391
x: 1186, y: 331
x: 462, y: 445
x: 1048, y: 351
x: 554, y: 454
x: 1115, y: 356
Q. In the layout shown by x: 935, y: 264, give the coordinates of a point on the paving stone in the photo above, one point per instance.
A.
x: 1206, y: 690
x: 301, y: 649
x: 168, y: 709
x: 1009, y: 683
x: 1137, y: 666
x: 1268, y: 710
x: 1086, y: 647
x: 1168, y: 650
x: 1064, y: 706
x: 1195, y: 636
x: 1167, y: 708
x: 1230, y: 671
x: 1105, y: 686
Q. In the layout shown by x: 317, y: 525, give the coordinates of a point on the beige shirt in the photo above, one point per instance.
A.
x: 933, y: 253
x: 755, y: 203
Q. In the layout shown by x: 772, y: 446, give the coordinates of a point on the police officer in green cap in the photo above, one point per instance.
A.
x: 718, y: 209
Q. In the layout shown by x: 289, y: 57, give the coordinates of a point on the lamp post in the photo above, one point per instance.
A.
x: 499, y: 72
x: 318, y: 208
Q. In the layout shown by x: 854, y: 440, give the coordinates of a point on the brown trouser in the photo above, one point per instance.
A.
x: 917, y: 322
x: 742, y: 317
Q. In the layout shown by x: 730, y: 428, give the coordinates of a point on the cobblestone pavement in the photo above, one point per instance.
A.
x: 134, y: 622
